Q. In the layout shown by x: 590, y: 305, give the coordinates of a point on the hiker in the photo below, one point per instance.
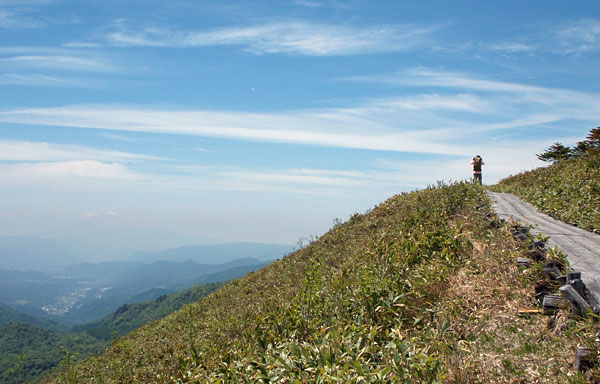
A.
x: 477, y: 163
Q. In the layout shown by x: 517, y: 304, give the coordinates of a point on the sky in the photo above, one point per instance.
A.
x: 147, y: 124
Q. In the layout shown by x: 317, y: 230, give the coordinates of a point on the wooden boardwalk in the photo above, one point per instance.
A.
x: 581, y: 247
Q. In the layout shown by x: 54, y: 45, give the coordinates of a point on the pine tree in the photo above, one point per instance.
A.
x: 555, y: 153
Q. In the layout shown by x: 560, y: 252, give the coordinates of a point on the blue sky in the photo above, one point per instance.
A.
x: 147, y: 124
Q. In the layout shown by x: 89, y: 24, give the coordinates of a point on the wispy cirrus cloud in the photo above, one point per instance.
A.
x: 20, y: 173
x: 290, y: 37
x: 14, y: 150
x: 39, y: 80
x: 361, y: 128
x: 61, y: 62
x: 502, y: 95
x: 579, y: 36
x: 10, y: 19
x: 443, y: 122
x: 513, y: 47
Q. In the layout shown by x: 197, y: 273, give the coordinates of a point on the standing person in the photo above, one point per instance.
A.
x: 477, y: 163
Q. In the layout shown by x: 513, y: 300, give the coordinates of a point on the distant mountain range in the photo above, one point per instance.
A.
x: 17, y: 252
x: 85, y: 292
x: 215, y: 254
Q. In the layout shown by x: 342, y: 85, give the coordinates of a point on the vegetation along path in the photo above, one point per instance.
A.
x: 581, y: 247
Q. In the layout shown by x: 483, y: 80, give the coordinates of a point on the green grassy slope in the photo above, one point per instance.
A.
x: 417, y: 290
x: 569, y: 190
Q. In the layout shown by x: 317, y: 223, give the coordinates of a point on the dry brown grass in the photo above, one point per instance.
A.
x: 495, y: 344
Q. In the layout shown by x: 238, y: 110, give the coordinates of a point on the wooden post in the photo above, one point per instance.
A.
x: 573, y: 275
x: 578, y: 304
x: 537, y: 250
x: 524, y: 262
x: 583, y: 359
x: 551, y: 303
x: 578, y: 285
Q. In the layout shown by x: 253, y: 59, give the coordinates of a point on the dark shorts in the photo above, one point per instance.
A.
x: 477, y: 176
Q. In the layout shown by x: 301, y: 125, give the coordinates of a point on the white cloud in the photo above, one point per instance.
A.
x: 335, y: 128
x: 292, y: 37
x: 63, y: 62
x: 39, y: 80
x: 461, y: 102
x: 13, y: 150
x: 580, y: 36
x: 513, y: 47
x: 58, y: 172
x: 9, y: 19
x: 461, y: 118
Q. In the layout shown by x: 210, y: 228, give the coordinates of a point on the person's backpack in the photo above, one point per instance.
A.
x: 477, y: 163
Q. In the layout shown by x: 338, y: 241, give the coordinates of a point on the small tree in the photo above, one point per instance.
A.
x: 555, y: 153
x: 593, y: 138
x: 581, y: 148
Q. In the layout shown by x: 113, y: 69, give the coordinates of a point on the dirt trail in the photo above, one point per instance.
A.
x: 581, y: 247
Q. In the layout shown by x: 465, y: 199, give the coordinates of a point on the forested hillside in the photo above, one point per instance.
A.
x: 420, y: 289
x: 29, y: 352
x: 132, y: 316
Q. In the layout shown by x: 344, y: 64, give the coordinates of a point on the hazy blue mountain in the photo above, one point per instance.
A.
x: 141, y: 283
x: 149, y: 295
x: 86, y: 292
x: 98, y: 272
x: 215, y: 254
x: 226, y: 275
x: 33, y: 252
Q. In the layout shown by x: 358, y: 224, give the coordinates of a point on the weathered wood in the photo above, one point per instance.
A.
x: 573, y: 275
x: 530, y: 311
x: 553, y: 269
x: 551, y: 303
x: 584, y: 359
x: 543, y: 288
x: 537, y: 250
x: 552, y: 272
x: 520, y: 233
x: 579, y: 286
x: 579, y: 306
x: 521, y: 237
x: 524, y: 262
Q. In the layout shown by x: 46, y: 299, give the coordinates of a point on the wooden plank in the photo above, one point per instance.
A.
x: 584, y: 359
x: 578, y: 304
x: 551, y: 303
x: 530, y: 311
